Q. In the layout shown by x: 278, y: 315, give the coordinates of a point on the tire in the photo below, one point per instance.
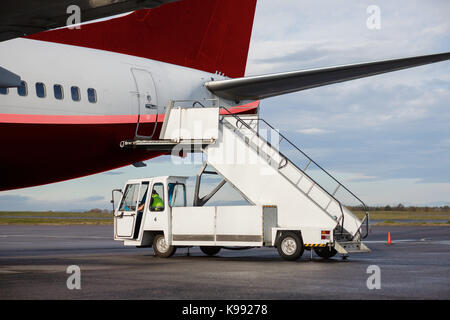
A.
x: 290, y: 246
x: 325, y: 252
x: 160, y: 247
x: 210, y: 251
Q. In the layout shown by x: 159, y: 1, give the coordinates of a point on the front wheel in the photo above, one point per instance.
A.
x: 290, y: 246
x: 210, y: 251
x: 161, y: 248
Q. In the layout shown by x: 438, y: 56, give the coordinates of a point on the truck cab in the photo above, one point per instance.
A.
x: 145, y: 206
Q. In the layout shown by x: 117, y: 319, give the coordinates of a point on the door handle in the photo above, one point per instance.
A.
x: 122, y: 214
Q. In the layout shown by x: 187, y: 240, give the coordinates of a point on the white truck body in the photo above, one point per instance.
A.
x: 247, y: 225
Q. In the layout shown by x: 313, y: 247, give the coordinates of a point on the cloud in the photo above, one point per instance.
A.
x: 302, y: 35
x: 437, y: 30
x: 93, y: 198
x: 113, y: 173
x: 17, y: 202
x: 313, y: 131
x: 13, y: 198
x: 360, y: 177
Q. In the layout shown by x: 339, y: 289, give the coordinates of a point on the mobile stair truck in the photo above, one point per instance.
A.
x: 288, y: 210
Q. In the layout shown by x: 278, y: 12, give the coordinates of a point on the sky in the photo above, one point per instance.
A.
x: 386, y: 137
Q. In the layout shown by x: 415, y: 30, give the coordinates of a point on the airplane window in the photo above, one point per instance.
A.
x: 92, y: 95
x: 40, y: 89
x: 3, y: 90
x: 23, y: 89
x: 58, y: 90
x: 75, y: 93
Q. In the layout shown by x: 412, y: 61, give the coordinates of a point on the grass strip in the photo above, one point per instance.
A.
x: 50, y: 221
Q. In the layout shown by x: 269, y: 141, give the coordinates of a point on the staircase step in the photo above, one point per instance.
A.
x: 350, y: 247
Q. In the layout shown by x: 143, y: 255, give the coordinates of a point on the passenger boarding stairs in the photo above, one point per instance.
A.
x: 246, y: 151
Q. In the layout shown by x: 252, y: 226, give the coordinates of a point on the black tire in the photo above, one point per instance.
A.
x: 290, y: 246
x: 210, y: 250
x: 325, y: 252
x: 161, y: 249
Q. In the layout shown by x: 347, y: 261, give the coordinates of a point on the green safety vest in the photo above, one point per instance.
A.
x: 157, y: 202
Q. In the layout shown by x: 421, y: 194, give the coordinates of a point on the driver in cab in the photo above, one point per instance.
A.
x: 156, y: 203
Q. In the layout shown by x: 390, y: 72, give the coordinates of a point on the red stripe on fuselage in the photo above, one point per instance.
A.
x: 78, y: 119
x: 106, y: 119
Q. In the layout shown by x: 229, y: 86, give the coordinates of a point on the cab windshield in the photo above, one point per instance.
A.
x: 130, y: 197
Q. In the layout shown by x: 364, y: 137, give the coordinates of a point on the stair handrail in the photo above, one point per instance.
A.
x: 366, y: 221
x: 365, y: 208
x: 309, y: 158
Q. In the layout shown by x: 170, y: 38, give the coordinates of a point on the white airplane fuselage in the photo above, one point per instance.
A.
x: 108, y: 73
x: 46, y: 139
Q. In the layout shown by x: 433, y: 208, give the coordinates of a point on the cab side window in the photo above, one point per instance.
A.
x: 143, y: 196
x: 157, y: 197
x: 177, y: 195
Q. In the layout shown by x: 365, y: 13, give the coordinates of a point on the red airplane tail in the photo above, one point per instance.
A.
x: 212, y: 36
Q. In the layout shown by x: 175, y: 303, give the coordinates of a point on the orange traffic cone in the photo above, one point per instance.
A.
x: 389, y: 238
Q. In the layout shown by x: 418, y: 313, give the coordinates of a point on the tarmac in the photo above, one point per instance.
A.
x: 34, y: 261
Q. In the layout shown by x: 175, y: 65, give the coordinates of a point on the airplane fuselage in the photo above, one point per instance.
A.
x: 109, y: 73
x: 59, y: 130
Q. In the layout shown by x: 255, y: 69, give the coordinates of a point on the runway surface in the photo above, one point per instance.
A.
x: 34, y: 260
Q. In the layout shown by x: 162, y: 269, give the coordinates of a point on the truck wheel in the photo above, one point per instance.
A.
x: 325, y: 252
x: 209, y: 250
x: 161, y: 248
x: 290, y: 246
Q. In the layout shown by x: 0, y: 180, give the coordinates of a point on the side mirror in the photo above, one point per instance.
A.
x: 112, y: 198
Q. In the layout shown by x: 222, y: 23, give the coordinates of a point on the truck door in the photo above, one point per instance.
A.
x: 128, y: 217
x: 157, y: 208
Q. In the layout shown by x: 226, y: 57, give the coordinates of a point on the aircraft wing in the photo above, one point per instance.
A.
x: 23, y: 17
x: 265, y: 86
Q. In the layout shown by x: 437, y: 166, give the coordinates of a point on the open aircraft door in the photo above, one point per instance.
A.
x: 147, y: 103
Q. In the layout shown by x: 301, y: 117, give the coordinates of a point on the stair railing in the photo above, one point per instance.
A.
x: 310, y: 160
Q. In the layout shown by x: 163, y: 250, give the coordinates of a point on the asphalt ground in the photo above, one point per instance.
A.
x: 34, y: 262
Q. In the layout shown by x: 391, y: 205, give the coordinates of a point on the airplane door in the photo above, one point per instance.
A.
x: 147, y: 103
